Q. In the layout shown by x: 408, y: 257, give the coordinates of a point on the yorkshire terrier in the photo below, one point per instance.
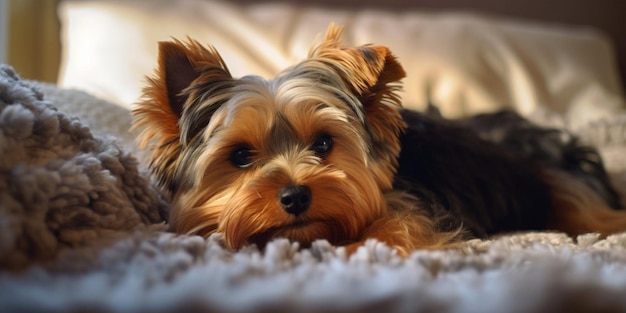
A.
x: 324, y: 151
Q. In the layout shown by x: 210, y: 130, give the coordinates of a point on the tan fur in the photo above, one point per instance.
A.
x: 373, y: 73
x: 194, y: 115
x: 579, y: 210
x: 406, y: 229
x: 155, y: 115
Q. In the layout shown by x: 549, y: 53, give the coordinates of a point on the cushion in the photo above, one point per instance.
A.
x: 464, y: 63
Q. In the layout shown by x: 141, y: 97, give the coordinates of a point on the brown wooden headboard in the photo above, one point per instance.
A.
x: 605, y: 15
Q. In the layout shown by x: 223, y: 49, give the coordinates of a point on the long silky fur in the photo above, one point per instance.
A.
x: 412, y: 180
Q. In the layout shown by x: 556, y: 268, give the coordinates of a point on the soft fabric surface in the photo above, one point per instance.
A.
x: 81, y: 225
x: 60, y: 186
x: 466, y: 63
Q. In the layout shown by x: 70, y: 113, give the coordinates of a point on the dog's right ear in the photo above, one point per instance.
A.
x: 182, y: 66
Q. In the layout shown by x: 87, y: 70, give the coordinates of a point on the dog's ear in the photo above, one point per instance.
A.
x: 176, y: 72
x: 185, y: 70
x: 180, y: 64
x: 373, y: 74
x: 371, y: 71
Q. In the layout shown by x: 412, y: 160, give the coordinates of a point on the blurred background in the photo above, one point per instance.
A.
x: 3, y: 30
x: 465, y: 56
x: 29, y: 38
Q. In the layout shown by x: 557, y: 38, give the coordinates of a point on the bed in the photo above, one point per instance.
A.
x: 84, y: 227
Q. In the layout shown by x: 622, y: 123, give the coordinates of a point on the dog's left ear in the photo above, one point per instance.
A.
x: 371, y: 71
x: 373, y: 74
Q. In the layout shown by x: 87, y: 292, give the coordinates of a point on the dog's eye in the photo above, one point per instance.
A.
x: 322, y: 145
x: 241, y: 156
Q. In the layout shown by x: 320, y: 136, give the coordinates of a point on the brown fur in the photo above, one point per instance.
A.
x: 195, y: 116
x: 579, y: 210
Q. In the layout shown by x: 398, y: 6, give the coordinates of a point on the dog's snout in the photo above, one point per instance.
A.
x: 295, y: 199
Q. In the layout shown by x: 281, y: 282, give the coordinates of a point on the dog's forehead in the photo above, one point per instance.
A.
x: 300, y: 90
x: 290, y: 107
x: 286, y: 111
x: 316, y: 81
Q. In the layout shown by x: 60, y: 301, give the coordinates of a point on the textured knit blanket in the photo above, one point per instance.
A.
x: 81, y: 230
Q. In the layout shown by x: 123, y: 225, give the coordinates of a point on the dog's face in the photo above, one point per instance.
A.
x: 307, y: 155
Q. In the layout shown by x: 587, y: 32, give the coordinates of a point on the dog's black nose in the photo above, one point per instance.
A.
x: 295, y: 199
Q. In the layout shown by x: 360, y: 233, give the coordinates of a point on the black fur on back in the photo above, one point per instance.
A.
x: 551, y: 147
x: 483, y: 172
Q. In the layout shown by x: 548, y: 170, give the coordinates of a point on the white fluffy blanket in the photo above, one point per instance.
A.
x: 81, y: 231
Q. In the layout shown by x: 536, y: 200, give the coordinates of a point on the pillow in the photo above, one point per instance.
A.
x: 464, y: 63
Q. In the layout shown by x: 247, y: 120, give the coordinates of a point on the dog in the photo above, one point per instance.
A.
x: 324, y: 150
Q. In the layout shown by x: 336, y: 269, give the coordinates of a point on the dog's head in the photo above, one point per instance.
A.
x: 307, y: 155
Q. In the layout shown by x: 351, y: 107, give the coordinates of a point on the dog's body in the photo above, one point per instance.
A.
x: 323, y: 151
x: 488, y: 173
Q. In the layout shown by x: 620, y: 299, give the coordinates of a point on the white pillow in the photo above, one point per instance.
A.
x: 464, y: 63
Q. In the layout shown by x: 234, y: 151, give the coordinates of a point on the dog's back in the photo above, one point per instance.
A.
x: 550, y: 147
x: 486, y: 173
